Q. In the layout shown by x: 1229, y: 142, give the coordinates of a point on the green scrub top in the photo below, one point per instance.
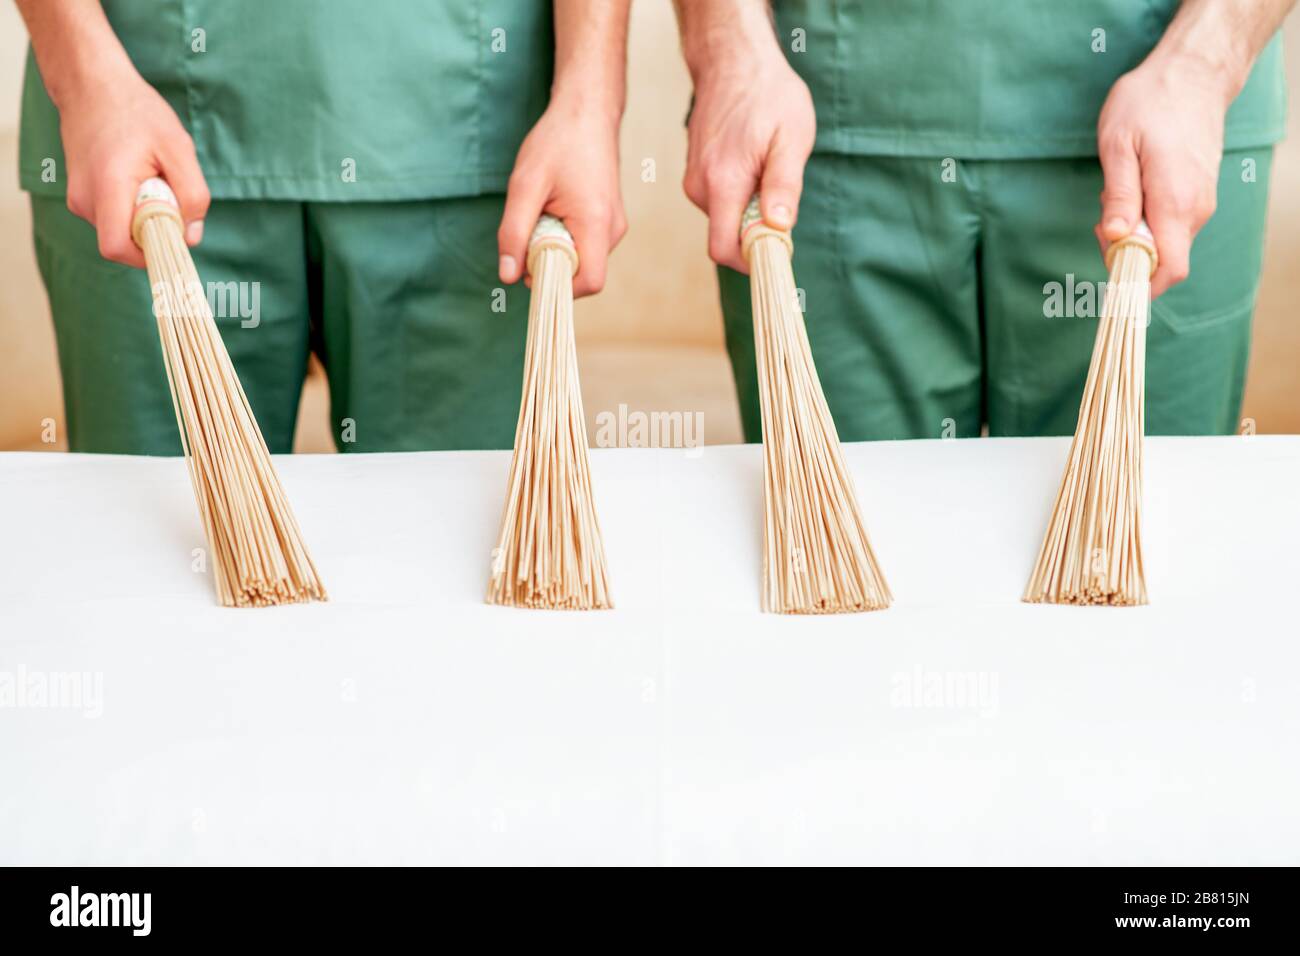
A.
x: 330, y: 101
x: 988, y: 79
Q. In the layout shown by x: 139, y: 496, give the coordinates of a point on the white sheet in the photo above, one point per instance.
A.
x: 406, y: 721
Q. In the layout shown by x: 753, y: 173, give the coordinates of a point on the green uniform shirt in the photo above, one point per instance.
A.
x: 330, y: 100
x: 988, y: 79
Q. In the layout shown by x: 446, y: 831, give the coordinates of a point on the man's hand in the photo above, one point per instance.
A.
x: 1160, y: 135
x: 568, y: 164
x: 753, y: 124
x: 750, y: 132
x: 116, y: 137
x: 1160, y: 139
x: 117, y: 131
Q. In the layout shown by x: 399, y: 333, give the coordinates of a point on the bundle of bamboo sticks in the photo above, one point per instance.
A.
x: 817, y: 558
x: 1092, y: 551
x: 549, y: 552
x: 257, y: 551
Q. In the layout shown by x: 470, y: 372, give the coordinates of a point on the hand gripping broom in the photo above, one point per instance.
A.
x: 1092, y: 552
x: 549, y: 553
x: 817, y: 558
x: 257, y: 550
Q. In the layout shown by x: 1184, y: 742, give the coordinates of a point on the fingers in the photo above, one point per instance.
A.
x: 1179, y: 200
x: 724, y: 204
x: 180, y: 167
x: 1121, y: 198
x: 728, y: 196
x: 1176, y: 197
x: 107, y: 197
x: 596, y: 230
x: 1173, y: 237
x: 693, y: 184
x: 525, y: 197
x: 114, y: 206
x: 591, y: 233
x: 595, y: 236
x: 719, y: 188
x: 617, y: 226
x: 783, y: 182
x: 724, y: 190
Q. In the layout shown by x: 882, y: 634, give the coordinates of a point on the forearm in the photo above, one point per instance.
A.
x: 591, y: 56
x: 579, y: 187
x: 752, y: 124
x: 725, y: 34
x: 1220, y: 39
x: 75, y: 45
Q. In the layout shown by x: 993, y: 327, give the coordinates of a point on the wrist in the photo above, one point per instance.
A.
x: 579, y: 99
x: 1192, y: 70
x: 89, y: 76
x: 1203, y: 49
x: 79, y: 56
x: 735, y: 48
x: 740, y: 75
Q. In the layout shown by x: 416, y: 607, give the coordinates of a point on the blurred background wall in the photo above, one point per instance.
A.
x: 653, y: 340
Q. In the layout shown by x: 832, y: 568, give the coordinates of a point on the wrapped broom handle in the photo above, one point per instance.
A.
x: 1140, y: 237
x: 551, y: 233
x: 154, y: 198
x: 753, y: 228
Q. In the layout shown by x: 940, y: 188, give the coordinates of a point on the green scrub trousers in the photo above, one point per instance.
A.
x: 935, y: 307
x: 357, y: 154
x: 945, y: 240
x: 401, y: 302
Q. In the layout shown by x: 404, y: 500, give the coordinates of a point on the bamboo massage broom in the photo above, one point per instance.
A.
x: 817, y: 558
x: 257, y: 550
x: 1092, y: 552
x: 549, y: 553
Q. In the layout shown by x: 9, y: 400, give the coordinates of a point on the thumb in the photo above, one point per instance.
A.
x: 180, y: 167
x: 524, y: 200
x: 782, y: 183
x: 1121, y: 198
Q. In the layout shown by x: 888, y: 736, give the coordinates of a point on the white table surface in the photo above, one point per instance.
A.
x: 406, y: 721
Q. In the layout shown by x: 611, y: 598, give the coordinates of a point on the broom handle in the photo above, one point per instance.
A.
x: 753, y: 228
x: 1140, y: 237
x: 551, y: 233
x: 154, y: 198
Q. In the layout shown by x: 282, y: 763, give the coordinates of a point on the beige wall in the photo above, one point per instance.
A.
x: 653, y: 340
x: 1273, y: 384
x: 29, y: 384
